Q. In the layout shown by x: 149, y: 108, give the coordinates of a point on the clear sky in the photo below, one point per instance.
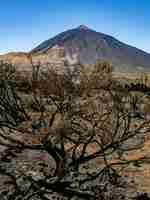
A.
x: 26, y: 23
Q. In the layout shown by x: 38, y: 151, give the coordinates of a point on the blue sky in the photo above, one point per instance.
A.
x: 25, y: 24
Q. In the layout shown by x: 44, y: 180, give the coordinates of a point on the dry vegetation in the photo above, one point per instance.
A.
x: 82, y: 131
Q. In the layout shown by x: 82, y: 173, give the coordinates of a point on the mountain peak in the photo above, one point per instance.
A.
x: 83, y: 27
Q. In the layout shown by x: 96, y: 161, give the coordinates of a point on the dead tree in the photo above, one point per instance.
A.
x: 88, y: 117
x: 7, y: 71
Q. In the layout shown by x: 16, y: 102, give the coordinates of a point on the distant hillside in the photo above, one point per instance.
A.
x: 86, y: 46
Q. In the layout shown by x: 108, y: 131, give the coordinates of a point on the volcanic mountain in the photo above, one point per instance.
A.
x: 87, y: 46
